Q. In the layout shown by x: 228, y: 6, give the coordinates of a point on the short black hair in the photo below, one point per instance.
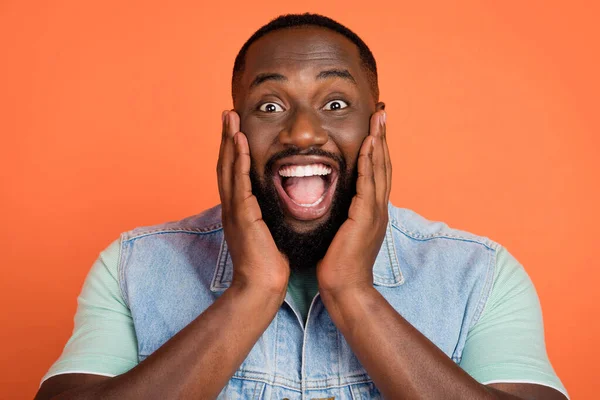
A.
x: 302, y: 20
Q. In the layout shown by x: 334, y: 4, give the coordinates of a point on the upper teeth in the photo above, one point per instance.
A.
x: 304, y: 170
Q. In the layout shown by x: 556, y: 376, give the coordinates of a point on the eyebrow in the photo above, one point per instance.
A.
x: 327, y: 74
x: 336, y: 73
x: 268, y: 76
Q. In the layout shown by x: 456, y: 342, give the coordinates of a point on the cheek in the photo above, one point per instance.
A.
x: 259, y: 141
x: 349, y: 136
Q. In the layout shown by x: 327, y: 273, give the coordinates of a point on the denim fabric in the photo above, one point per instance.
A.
x: 436, y: 277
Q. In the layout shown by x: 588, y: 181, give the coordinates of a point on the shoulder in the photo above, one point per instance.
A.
x: 444, y: 259
x: 180, y: 249
x: 513, y: 290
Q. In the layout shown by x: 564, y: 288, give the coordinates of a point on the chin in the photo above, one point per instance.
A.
x: 306, y: 226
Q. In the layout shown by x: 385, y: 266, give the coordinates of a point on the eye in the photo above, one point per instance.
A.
x: 335, y: 105
x: 270, y: 108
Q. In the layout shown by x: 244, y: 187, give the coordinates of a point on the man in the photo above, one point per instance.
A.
x: 225, y: 304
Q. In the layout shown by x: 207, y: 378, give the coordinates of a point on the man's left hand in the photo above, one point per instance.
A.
x: 349, y: 261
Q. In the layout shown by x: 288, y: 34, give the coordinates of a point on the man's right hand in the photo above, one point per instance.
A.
x: 257, y: 262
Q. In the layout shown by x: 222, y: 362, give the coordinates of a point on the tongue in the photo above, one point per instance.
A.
x: 305, y: 190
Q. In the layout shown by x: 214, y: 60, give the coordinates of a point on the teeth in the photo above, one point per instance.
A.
x: 304, y: 170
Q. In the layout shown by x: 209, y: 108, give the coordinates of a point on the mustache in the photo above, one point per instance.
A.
x: 313, y: 151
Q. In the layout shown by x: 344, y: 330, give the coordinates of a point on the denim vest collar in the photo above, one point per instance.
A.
x: 386, y: 270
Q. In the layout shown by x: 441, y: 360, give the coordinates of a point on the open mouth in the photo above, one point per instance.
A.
x: 305, y: 185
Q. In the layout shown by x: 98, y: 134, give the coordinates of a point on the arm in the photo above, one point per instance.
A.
x: 199, y: 360
x: 195, y: 363
x: 402, y: 362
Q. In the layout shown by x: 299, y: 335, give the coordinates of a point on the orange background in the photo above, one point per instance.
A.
x: 110, y: 118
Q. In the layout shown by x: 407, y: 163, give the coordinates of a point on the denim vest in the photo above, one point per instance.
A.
x: 436, y: 277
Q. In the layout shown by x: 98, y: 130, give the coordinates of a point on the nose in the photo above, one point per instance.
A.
x: 304, y: 130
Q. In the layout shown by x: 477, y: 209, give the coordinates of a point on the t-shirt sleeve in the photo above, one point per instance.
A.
x: 103, y: 340
x: 507, y: 343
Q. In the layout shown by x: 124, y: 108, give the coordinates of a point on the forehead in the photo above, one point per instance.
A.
x: 301, y: 48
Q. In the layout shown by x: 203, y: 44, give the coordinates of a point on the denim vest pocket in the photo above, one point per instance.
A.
x: 241, y: 389
x: 365, y: 391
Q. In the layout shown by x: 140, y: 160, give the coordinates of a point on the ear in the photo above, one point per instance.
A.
x: 379, y: 106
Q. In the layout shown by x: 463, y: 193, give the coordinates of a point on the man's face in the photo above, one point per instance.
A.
x: 304, y: 102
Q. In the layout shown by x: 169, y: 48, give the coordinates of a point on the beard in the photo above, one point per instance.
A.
x: 303, y: 249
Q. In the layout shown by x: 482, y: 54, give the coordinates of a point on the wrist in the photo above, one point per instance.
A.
x: 350, y: 307
x: 267, y: 291
x: 344, y: 279
x: 345, y: 293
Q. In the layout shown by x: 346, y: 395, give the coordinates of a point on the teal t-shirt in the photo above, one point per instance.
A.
x: 303, y: 287
x: 505, y: 345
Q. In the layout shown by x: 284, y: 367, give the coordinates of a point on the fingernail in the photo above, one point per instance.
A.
x: 384, y: 116
x: 235, y: 138
x: 373, y: 143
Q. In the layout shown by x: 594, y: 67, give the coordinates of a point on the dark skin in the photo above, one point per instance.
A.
x: 199, y: 360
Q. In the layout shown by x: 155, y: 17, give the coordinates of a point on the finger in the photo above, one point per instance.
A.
x: 386, y: 153
x: 220, y: 160
x: 234, y: 122
x: 365, y: 183
x: 379, y: 167
x: 226, y: 160
x: 243, y: 199
x: 388, y: 160
x: 224, y: 122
